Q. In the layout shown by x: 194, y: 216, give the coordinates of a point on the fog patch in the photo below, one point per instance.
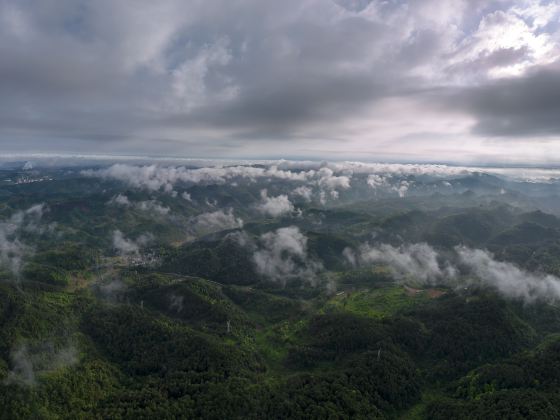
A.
x: 112, y: 290
x: 241, y: 238
x: 22, y: 368
x: 176, y: 303
x: 29, y: 361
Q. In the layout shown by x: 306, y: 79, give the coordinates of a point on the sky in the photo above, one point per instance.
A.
x: 460, y: 81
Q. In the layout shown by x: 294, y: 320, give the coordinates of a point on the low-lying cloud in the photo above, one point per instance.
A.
x: 274, y: 206
x: 304, y: 192
x: 28, y: 361
x: 125, y: 246
x: 215, y: 221
x: 164, y: 178
x: 12, y: 249
x: 464, y: 267
x: 282, y: 256
x: 151, y: 206
x: 322, y: 180
x: 508, y: 279
x: 418, y: 261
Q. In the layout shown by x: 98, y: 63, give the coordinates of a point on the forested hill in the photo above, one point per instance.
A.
x: 253, y: 293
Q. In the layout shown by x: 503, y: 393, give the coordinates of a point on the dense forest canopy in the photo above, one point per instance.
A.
x: 278, y: 290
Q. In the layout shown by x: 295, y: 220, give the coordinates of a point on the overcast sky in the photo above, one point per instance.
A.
x: 468, y: 81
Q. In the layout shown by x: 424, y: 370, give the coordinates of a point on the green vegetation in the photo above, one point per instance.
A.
x: 188, y: 327
x: 380, y: 302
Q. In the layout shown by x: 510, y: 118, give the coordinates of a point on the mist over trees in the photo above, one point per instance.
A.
x: 278, y: 290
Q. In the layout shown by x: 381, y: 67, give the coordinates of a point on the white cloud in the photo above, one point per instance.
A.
x: 305, y: 192
x: 152, y: 206
x: 327, y: 176
x: 376, y: 181
x: 402, y: 188
x: 466, y: 267
x: 154, y: 177
x: 515, y: 29
x: 328, y: 180
x: 125, y: 246
x: 282, y: 256
x: 120, y: 199
x: 189, y: 80
x: 508, y: 279
x: 215, y: 221
x: 414, y: 261
x: 274, y: 206
x: 388, y: 182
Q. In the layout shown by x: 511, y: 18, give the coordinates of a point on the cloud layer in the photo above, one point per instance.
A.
x: 426, y: 80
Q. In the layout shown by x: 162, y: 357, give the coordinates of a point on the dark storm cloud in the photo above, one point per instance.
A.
x: 527, y: 106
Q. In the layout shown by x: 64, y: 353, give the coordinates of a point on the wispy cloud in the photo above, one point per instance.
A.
x: 463, y: 267
x: 12, y: 248
x: 27, y: 361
